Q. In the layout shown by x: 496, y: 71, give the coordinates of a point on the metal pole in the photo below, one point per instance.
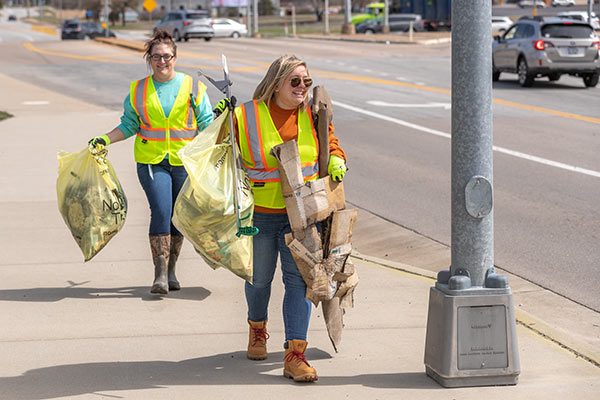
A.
x: 106, y: 18
x: 347, y: 27
x: 249, y: 17
x: 255, y: 6
x: 326, y: 17
x: 472, y: 235
x: 386, y: 16
x: 590, y: 9
x: 471, y: 325
x: 293, y: 21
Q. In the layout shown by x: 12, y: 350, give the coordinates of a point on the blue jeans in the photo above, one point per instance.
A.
x: 162, y: 186
x: 267, y: 245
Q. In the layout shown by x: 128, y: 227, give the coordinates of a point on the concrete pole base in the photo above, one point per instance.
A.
x: 256, y: 35
x: 385, y: 29
x: 348, y: 29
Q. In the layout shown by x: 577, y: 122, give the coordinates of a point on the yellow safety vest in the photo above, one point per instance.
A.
x: 160, y: 135
x: 257, y: 135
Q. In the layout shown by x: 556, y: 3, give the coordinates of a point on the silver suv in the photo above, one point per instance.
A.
x: 186, y: 24
x: 550, y: 47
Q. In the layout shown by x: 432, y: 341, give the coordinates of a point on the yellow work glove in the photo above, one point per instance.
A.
x: 337, y: 168
x: 98, y: 143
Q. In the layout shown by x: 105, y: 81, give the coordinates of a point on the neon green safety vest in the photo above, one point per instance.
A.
x: 160, y: 135
x: 257, y: 135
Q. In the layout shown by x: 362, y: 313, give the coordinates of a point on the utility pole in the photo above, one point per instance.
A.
x: 106, y: 18
x: 249, y: 17
x: 590, y: 10
x: 256, y: 32
x: 386, y: 16
x: 347, y: 27
x: 471, y: 325
x: 326, y: 17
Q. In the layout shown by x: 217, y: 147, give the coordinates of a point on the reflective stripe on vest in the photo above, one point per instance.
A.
x: 160, y: 135
x: 258, y: 135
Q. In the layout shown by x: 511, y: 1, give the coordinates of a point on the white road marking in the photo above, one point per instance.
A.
x: 518, y: 154
x: 35, y: 103
x: 446, y: 106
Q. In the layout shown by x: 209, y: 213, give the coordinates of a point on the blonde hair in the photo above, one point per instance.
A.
x: 277, y: 72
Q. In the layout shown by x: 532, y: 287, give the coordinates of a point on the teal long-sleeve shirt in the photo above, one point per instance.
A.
x: 167, y: 92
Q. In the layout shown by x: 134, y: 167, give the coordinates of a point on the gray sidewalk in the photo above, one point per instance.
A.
x: 86, y: 331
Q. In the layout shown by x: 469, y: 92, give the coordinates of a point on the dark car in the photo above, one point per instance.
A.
x: 12, y: 17
x: 398, y: 23
x: 75, y: 29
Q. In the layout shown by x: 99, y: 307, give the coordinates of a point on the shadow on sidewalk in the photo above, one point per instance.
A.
x: 220, y: 369
x: 76, y: 291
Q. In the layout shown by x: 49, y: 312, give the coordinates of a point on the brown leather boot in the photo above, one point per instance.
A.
x: 295, y: 365
x: 257, y: 340
x: 176, y: 243
x: 160, y: 246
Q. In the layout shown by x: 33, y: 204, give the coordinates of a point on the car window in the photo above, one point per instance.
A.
x: 196, y: 16
x: 523, y: 31
x: 567, y: 31
x: 72, y: 25
x: 510, y: 34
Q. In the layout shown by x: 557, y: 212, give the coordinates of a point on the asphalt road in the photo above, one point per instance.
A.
x: 392, y: 113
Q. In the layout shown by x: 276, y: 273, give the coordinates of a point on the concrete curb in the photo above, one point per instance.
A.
x: 524, y: 318
x: 128, y: 44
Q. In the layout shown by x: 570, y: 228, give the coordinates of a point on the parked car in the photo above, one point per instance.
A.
x: 398, y: 23
x: 225, y: 27
x: 186, y: 24
x: 75, y: 29
x: 131, y: 15
x: 563, y: 3
x: 581, y: 16
x: 501, y: 24
x: 532, y: 3
x: 11, y: 17
x: 547, y: 47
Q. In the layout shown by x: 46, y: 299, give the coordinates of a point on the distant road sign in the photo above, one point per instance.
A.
x: 150, y: 5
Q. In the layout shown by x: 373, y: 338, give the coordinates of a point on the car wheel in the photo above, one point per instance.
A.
x: 495, y: 75
x: 591, y: 80
x: 235, y: 35
x: 369, y: 32
x: 176, y: 36
x: 186, y: 38
x: 207, y: 39
x: 525, y: 78
x: 553, y: 77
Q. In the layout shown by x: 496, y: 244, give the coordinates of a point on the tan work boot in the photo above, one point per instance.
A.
x: 257, y: 340
x: 176, y: 242
x: 160, y: 246
x: 295, y: 365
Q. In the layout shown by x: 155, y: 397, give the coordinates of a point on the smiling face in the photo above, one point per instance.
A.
x: 162, y: 69
x: 289, y: 97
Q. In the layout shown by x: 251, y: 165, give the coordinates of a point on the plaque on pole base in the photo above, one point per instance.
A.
x: 471, y: 337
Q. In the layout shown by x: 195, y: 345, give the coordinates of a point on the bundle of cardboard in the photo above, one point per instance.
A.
x: 320, y: 241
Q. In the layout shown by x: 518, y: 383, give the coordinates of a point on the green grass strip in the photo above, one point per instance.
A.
x: 4, y: 115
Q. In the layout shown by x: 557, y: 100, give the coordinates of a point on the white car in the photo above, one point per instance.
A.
x: 563, y: 3
x: 501, y: 24
x: 532, y: 3
x: 581, y: 16
x: 225, y: 27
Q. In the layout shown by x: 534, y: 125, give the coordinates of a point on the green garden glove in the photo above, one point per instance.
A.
x: 337, y: 168
x: 98, y: 143
x: 223, y: 104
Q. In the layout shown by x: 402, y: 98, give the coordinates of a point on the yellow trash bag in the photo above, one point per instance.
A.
x: 204, y: 210
x: 90, y: 199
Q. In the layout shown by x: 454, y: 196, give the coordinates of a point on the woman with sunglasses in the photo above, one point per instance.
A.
x: 279, y: 112
x: 162, y: 114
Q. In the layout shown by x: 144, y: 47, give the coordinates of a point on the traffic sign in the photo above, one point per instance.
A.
x: 150, y: 5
